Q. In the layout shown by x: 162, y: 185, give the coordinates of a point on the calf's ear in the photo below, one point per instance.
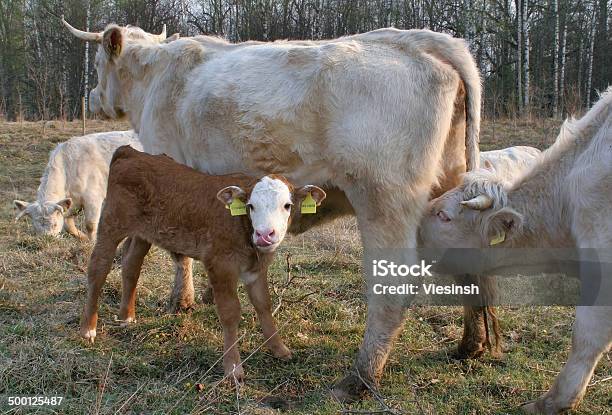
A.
x: 21, y: 207
x: 503, y: 225
x: 65, y: 204
x: 229, y: 193
x: 316, y: 192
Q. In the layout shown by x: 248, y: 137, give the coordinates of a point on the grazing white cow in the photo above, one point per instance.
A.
x: 562, y: 201
x: 379, y: 118
x: 75, y: 178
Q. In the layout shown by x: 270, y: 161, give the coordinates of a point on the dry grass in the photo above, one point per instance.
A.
x: 154, y: 366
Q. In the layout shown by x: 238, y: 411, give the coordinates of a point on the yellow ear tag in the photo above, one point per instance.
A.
x: 498, y: 239
x: 237, y: 208
x: 308, y: 205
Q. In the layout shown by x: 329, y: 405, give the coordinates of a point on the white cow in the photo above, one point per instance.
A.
x: 562, y: 201
x: 508, y: 162
x: 75, y: 178
x: 380, y: 118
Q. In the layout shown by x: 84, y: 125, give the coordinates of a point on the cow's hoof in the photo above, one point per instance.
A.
x: 544, y: 405
x: 470, y: 351
x: 89, y: 335
x: 530, y: 408
x: 349, y: 389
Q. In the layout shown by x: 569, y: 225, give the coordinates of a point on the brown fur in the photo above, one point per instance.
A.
x: 154, y: 200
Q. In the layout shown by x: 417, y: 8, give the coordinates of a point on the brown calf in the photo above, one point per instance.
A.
x: 154, y: 200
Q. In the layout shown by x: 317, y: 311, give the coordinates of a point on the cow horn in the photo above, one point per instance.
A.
x: 480, y: 202
x: 87, y: 36
x: 162, y: 35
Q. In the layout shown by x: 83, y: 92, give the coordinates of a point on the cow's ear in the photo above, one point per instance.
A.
x: 112, y: 40
x: 21, y: 207
x: 172, y: 38
x: 504, y: 225
x: 65, y: 204
x: 316, y: 192
x: 229, y: 193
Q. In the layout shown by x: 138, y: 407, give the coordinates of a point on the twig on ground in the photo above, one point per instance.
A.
x: 242, y: 363
x: 377, y: 395
x: 128, y: 399
x: 101, y: 394
x: 237, y: 384
x: 595, y: 382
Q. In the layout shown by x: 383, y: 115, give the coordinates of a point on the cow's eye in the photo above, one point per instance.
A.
x: 443, y: 216
x: 288, y: 206
x: 250, y: 207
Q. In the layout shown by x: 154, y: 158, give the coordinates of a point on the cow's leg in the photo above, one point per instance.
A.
x: 259, y: 295
x: 99, y: 266
x: 71, y: 228
x: 388, y: 218
x: 591, y: 338
x: 224, y: 284
x: 182, y: 297
x: 134, y: 252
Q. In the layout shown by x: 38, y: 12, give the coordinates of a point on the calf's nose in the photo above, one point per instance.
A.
x: 266, y: 234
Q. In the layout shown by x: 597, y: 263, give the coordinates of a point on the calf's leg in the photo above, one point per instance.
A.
x: 225, y: 287
x: 591, y: 338
x: 259, y: 295
x: 92, y: 217
x: 99, y: 266
x: 182, y: 297
x: 134, y: 252
x: 71, y: 228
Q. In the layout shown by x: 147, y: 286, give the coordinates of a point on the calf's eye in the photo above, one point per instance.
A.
x: 288, y: 206
x: 250, y: 207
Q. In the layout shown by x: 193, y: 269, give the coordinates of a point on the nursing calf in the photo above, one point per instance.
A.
x: 562, y: 201
x: 154, y: 200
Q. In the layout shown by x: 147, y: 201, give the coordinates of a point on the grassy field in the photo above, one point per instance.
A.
x: 166, y: 363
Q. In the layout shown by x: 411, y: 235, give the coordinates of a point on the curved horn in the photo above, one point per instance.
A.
x: 162, y: 35
x: 480, y: 202
x: 87, y: 36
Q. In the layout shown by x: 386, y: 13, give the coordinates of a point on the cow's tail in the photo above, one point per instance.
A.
x: 455, y: 52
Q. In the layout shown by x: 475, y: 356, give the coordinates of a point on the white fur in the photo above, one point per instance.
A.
x: 563, y: 200
x: 77, y: 169
x: 367, y: 114
x: 268, y: 199
x: 249, y: 277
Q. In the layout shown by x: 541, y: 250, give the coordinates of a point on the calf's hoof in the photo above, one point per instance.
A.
x: 281, y: 352
x: 180, y: 308
x: 124, y: 322
x: 235, y: 373
x: 88, y: 334
x: 349, y: 389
